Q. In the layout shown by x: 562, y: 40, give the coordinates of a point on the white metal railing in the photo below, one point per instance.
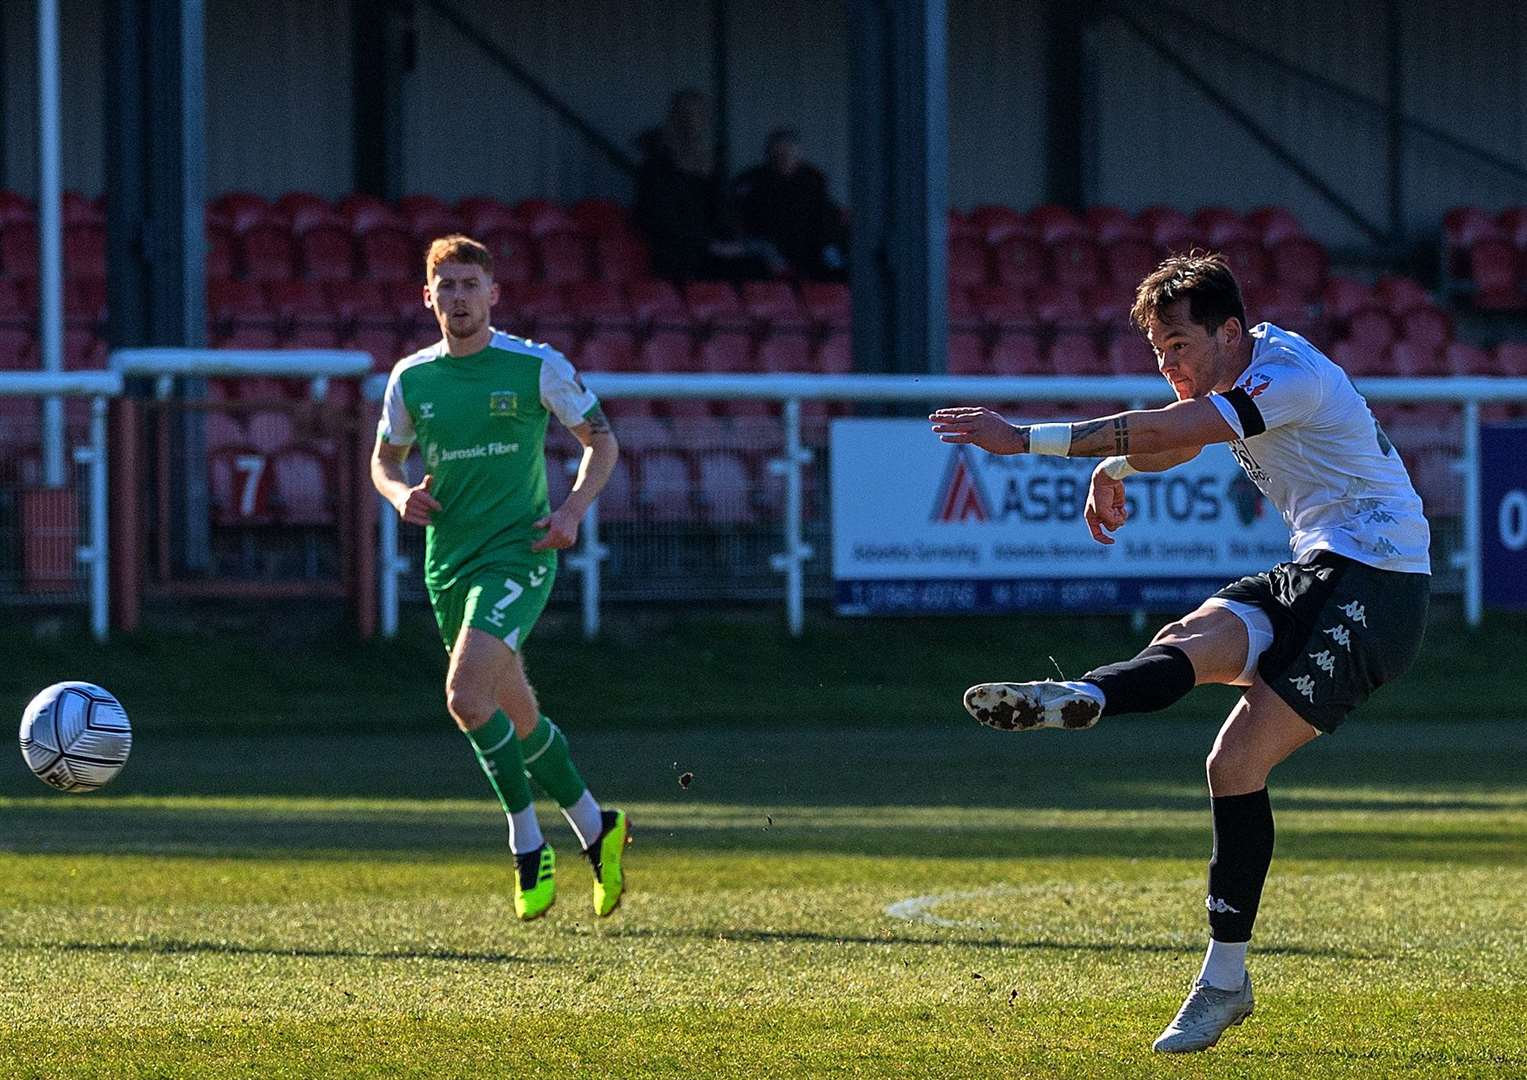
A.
x: 95, y: 554
x: 792, y: 389
x: 165, y: 364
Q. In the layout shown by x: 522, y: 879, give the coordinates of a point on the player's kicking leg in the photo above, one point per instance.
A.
x: 1211, y: 645
x: 1261, y: 731
x: 602, y: 833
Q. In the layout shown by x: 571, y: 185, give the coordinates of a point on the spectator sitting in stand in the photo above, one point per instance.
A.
x: 784, y: 202
x: 679, y: 204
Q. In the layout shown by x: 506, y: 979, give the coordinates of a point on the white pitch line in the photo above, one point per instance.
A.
x: 917, y: 908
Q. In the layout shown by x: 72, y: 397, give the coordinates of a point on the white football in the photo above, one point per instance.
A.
x: 75, y: 736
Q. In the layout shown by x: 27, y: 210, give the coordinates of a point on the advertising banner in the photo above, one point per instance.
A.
x: 1503, y: 513
x: 919, y: 525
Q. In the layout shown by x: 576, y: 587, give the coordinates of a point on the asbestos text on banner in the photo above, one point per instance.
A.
x: 919, y: 525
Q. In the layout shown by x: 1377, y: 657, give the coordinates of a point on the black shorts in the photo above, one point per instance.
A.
x: 1341, y: 629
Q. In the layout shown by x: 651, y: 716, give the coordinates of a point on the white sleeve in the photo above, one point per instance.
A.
x: 1273, y: 393
x: 396, y: 427
x: 563, y: 392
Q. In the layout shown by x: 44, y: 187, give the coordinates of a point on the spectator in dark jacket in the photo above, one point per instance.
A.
x: 784, y: 202
x: 680, y: 200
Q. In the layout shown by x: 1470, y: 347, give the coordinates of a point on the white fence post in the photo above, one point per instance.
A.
x: 96, y: 555
x: 389, y: 565
x: 1472, y: 553
x: 790, y: 561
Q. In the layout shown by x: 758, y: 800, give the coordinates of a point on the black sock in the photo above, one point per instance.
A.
x: 1243, y: 847
x: 1159, y: 676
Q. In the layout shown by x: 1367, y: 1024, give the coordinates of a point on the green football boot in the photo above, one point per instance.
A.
x: 535, y: 882
x: 605, y: 854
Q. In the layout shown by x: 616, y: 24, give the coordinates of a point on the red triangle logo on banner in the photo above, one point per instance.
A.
x: 961, y: 498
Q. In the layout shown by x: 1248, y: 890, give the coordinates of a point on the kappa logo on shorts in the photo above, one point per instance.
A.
x: 1341, y: 635
x: 1305, y: 685
x: 1355, y: 612
x: 426, y: 410
x: 537, y: 576
x: 1219, y: 907
x: 1324, y: 660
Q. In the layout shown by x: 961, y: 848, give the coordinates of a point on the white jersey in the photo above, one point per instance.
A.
x: 1311, y: 445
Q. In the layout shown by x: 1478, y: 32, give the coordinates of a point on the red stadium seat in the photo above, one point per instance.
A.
x: 739, y: 408
x: 667, y: 350
x: 1493, y: 270
x: 247, y: 337
x: 531, y: 301
x: 774, y: 303
x: 16, y: 209
x: 1130, y: 354
x: 234, y: 304
x: 302, y: 302
x: 666, y: 487
x: 1021, y: 262
x: 265, y: 253
x: 656, y: 301
x: 18, y: 251
x: 1127, y: 261
x: 267, y: 430
x: 1061, y: 308
x: 1300, y: 263
x: 563, y: 339
x: 1247, y: 259
x: 15, y: 307
x: 967, y: 262
x: 1220, y: 225
x: 620, y: 255
x: 727, y: 352
x: 380, y: 341
x: 1053, y: 223
x: 1283, y: 307
x: 309, y: 336
x: 243, y: 210
x: 85, y: 250
x: 714, y: 302
x: 1109, y: 305
x: 305, y: 210
x: 1274, y: 224
x: 965, y: 355
x: 327, y: 253
x: 483, y: 214
x: 239, y: 485
x: 368, y: 302
x: 687, y: 409
x: 1112, y: 224
x: 1074, y: 262
x: 1003, y: 308
x: 994, y: 224
x: 601, y: 303
x: 1357, y: 358
x: 784, y: 352
x: 827, y: 303
x: 389, y: 255
x: 1426, y: 327
x: 1511, y: 358
x: 85, y: 301
x: 1465, y: 359
x: 962, y: 312
x: 596, y: 216
x: 83, y: 351
x: 222, y: 430
x: 1401, y: 294
x: 725, y: 489
x: 513, y: 256
x: 1411, y: 359
x: 616, y: 500
x: 219, y: 255
x: 1017, y: 354
x: 608, y: 350
x: 1077, y: 354
x: 1168, y: 227
x: 835, y: 355
x: 542, y: 217
x: 563, y: 257
x: 429, y: 217
x: 1513, y: 221
x: 1372, y: 328
x: 637, y: 423
x: 300, y: 489
x: 960, y: 227
x: 1344, y: 296
x: 367, y: 213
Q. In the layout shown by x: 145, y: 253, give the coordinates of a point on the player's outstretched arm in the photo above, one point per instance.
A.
x: 600, y: 451
x: 1175, y: 428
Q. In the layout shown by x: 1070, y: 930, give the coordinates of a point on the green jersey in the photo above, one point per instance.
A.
x: 480, y: 422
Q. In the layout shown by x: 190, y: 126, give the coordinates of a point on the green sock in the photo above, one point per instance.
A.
x: 498, y: 752
x: 548, y: 761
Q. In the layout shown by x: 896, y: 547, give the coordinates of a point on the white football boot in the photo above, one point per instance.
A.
x: 1024, y: 706
x: 1204, y: 1017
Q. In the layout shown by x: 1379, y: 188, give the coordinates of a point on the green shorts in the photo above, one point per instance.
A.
x: 503, y: 599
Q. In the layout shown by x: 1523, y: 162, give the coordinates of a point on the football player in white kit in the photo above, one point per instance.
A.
x: 1309, y: 639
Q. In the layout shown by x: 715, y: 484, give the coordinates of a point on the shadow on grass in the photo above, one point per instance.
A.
x: 225, y: 948
x: 793, y: 937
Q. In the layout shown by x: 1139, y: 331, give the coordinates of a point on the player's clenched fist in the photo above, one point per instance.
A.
x: 418, y: 506
x: 561, y: 532
x: 1105, y: 506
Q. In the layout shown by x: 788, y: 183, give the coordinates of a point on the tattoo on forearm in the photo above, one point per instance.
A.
x: 1091, y: 439
x: 598, y: 423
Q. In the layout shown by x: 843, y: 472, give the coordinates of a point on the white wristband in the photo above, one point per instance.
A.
x: 1118, y: 467
x: 1052, y: 439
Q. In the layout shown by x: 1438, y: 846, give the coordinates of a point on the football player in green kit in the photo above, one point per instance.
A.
x: 477, y: 404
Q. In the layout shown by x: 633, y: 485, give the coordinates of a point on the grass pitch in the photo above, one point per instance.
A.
x: 873, y: 899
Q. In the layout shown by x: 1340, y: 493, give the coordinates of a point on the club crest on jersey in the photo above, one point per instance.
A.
x: 503, y: 403
x: 1255, y: 384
